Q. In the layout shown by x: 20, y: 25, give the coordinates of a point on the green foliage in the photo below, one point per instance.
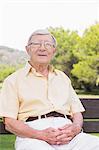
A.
x: 83, y: 71
x: 97, y: 81
x: 78, y: 56
x: 85, y: 74
x: 6, y: 70
x: 91, y: 40
x: 67, y: 41
x: 86, y: 70
x: 89, y: 43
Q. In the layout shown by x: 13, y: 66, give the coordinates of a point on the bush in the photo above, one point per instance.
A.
x: 6, y: 70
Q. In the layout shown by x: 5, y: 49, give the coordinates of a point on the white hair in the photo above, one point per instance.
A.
x: 43, y: 32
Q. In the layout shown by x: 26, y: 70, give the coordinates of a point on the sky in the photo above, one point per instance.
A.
x: 19, y: 18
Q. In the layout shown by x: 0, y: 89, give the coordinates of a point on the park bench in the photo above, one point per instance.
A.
x: 91, y: 116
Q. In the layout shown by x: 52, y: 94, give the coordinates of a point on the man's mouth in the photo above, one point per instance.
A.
x: 42, y: 55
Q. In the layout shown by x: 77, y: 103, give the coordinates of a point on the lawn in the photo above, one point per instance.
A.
x: 7, y: 141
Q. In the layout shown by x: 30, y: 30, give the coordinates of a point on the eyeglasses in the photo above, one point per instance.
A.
x: 47, y: 45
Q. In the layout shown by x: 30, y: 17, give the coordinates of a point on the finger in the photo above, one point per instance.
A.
x: 56, y: 132
x: 62, y: 136
x: 65, y: 127
x: 67, y: 132
x: 65, y: 140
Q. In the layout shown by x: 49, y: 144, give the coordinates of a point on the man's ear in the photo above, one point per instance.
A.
x: 54, y: 50
x: 27, y: 49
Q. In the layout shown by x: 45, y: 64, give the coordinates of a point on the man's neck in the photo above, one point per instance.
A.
x: 41, y: 68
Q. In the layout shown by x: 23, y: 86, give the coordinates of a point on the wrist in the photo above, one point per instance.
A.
x: 78, y: 127
x: 36, y: 134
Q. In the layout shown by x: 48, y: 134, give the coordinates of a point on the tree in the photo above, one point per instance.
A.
x: 67, y: 41
x: 86, y: 70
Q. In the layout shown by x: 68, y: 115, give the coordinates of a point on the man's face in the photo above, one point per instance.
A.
x: 40, y: 49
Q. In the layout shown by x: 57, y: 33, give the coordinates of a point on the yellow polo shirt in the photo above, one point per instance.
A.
x: 28, y: 93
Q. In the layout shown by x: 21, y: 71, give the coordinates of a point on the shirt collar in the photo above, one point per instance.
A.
x: 28, y: 68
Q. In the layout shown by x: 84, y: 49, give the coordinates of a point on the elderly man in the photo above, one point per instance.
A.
x: 38, y: 103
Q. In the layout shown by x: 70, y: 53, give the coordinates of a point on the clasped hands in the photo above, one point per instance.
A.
x: 62, y: 135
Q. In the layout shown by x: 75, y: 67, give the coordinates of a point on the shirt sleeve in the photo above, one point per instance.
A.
x: 76, y: 105
x: 9, y: 104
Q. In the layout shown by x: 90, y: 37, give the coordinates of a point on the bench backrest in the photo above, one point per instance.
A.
x: 91, y: 116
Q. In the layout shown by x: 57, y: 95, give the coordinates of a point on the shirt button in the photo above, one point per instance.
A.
x: 53, y: 106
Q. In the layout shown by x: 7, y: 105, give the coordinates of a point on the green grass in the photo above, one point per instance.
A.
x: 88, y: 96
x: 7, y: 141
x: 96, y: 134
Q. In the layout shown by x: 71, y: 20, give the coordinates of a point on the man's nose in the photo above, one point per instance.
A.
x: 42, y: 46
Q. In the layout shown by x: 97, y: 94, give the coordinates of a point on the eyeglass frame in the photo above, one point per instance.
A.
x: 40, y: 43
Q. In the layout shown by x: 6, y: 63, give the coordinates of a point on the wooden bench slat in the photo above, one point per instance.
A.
x: 91, y: 126
x: 92, y: 108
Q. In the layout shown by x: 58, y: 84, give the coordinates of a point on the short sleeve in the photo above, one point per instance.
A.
x: 76, y: 105
x: 9, y: 104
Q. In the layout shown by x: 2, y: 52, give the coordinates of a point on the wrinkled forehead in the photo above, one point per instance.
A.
x: 40, y: 37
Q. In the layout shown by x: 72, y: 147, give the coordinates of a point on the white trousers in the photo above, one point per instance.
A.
x: 82, y: 141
